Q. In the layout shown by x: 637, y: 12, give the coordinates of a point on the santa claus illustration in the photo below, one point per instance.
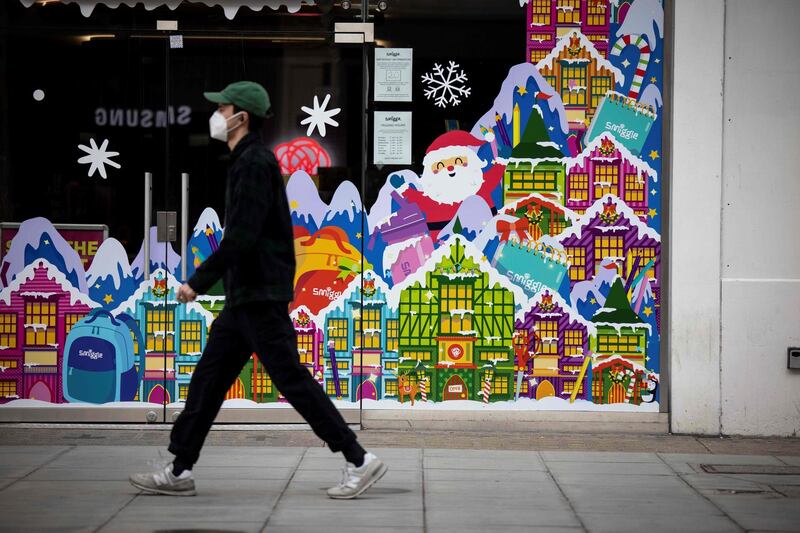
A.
x: 452, y: 172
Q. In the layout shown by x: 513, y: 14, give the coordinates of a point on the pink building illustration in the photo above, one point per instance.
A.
x: 37, y: 310
x: 549, y: 20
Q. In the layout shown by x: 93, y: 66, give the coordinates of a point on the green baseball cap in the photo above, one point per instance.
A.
x: 247, y: 95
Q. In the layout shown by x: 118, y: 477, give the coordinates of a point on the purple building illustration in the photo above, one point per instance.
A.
x: 37, y: 310
x: 558, y: 340
x: 309, y: 339
x: 408, y: 243
x: 606, y: 167
x: 549, y: 20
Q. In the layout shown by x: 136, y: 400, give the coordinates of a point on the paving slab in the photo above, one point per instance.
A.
x: 494, y: 519
x: 483, y: 475
x: 598, y: 457
x: 686, y: 463
x: 485, y: 462
x: 614, y: 468
x: 319, y: 519
x: 126, y: 525
x: 624, y: 520
x: 761, y: 511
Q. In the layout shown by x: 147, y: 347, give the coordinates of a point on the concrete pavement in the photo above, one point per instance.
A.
x: 80, y: 486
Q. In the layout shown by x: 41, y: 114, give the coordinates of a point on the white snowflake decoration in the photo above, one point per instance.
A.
x: 319, y: 116
x: 98, y: 157
x: 446, y: 86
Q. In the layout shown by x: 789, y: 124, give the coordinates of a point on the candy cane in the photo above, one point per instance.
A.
x: 644, y: 58
x: 423, y: 389
x: 631, y: 386
x: 487, y: 387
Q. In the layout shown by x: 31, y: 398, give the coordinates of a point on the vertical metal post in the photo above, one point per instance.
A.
x: 148, y: 213
x: 184, y: 222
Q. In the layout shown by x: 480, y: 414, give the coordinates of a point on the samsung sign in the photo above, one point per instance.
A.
x: 143, y: 118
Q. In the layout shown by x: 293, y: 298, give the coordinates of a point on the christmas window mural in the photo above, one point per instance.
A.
x: 518, y: 267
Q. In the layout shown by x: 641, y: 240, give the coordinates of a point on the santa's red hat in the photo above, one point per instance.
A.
x: 454, y: 138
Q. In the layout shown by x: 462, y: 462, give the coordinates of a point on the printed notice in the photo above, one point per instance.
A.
x: 393, y: 74
x: 392, y: 138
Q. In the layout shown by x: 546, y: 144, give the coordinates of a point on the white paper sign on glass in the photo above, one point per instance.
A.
x: 392, y: 138
x: 393, y: 68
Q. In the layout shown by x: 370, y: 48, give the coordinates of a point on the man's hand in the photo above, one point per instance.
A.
x: 186, y: 294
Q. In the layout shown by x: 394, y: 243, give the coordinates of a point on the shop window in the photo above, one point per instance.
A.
x: 569, y: 11
x: 606, y: 180
x: 390, y: 387
x: 392, y: 334
x: 370, y: 320
x: 646, y: 253
x: 456, y: 306
x: 573, y: 84
x: 600, y: 86
x: 8, y: 330
x: 634, y: 188
x: 190, y: 336
x: 337, y: 332
x: 545, y: 180
x: 548, y: 335
x: 305, y: 347
x: 573, y: 342
x: 577, y: 256
x: 70, y: 319
x: 160, y: 330
x: 40, y: 320
x: 607, y: 246
x: 8, y: 388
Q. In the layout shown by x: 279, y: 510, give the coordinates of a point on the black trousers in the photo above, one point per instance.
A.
x: 266, y: 329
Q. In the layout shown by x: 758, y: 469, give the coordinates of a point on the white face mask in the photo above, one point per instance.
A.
x: 218, y: 126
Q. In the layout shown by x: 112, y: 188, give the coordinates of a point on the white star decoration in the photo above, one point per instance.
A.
x: 626, y: 63
x: 319, y: 116
x: 98, y: 157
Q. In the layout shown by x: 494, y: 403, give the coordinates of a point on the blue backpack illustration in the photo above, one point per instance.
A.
x: 99, y: 361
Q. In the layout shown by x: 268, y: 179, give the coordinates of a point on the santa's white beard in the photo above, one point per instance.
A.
x: 447, y: 189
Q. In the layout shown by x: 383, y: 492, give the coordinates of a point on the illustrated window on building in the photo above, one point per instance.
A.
x: 645, y: 254
x: 419, y: 355
x: 569, y: 386
x: 551, y: 80
x: 557, y: 224
x: 392, y: 334
x: 600, y: 86
x: 160, y: 330
x: 70, y: 319
x: 8, y: 364
x: 330, y: 387
x: 537, y: 54
x: 500, y: 385
x: 573, y: 342
x: 456, y: 308
x: 496, y: 356
x: 579, y: 187
x: 607, y: 246
x: 569, y: 11
x: 390, y: 365
x: 390, y: 387
x: 596, y: 13
x: 305, y: 347
x: 185, y: 369
x: 8, y: 388
x: 342, y: 365
x: 8, y: 330
x: 545, y: 180
x: 190, y: 336
x: 540, y: 12
x: 634, y: 188
x: 597, y: 385
x: 577, y: 269
x: 548, y: 336
x: 520, y: 180
x: 262, y: 384
x: 40, y: 318
x: 573, y: 84
x: 337, y: 332
x: 619, y: 344
x: 370, y: 320
x: 606, y: 180
x: 183, y: 391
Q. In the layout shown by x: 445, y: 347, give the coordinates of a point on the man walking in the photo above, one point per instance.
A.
x: 257, y: 264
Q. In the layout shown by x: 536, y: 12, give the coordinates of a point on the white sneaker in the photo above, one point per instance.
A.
x: 163, y: 481
x: 356, y: 480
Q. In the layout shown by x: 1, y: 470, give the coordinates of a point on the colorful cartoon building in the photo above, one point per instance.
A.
x: 456, y: 325
x: 581, y: 75
x: 175, y: 335
x: 558, y: 339
x: 617, y: 380
x: 611, y: 230
x: 37, y: 310
x: 543, y: 216
x: 606, y: 167
x: 549, y: 20
x: 362, y: 330
x: 536, y: 164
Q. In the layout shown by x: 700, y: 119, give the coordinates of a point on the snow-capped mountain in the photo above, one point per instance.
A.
x: 645, y: 17
x: 38, y: 239
x: 204, y: 241
x: 161, y: 255
x: 208, y: 219
x: 345, y: 211
x: 383, y: 208
x: 109, y: 277
x: 307, y: 208
x: 473, y: 216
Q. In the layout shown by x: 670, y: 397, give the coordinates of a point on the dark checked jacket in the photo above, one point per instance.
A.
x: 256, y: 255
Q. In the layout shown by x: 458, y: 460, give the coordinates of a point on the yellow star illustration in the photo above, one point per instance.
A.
x: 592, y: 301
x: 293, y: 204
x: 522, y: 91
x: 358, y: 235
x: 653, y: 154
x: 647, y: 311
x: 108, y: 299
x: 587, y: 121
x: 653, y: 79
x: 652, y: 213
